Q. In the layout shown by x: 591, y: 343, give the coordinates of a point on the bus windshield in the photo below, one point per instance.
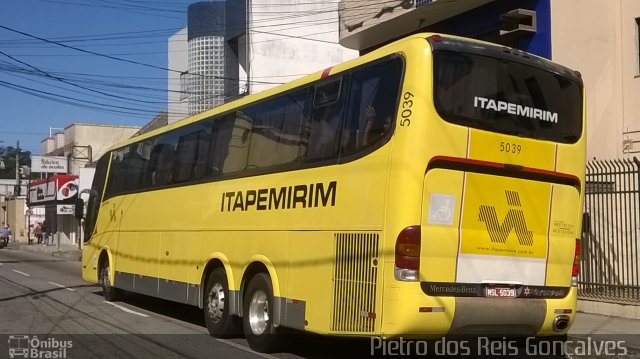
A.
x: 506, y: 96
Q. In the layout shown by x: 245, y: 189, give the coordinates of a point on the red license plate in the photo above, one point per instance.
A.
x: 500, y: 292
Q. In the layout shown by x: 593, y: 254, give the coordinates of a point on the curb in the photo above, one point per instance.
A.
x: 54, y: 251
x: 75, y: 256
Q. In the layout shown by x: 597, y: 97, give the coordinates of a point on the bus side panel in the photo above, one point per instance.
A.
x: 563, y: 232
x: 440, y: 241
x: 419, y: 136
x: 311, y: 276
x: 105, y: 236
x: 126, y: 253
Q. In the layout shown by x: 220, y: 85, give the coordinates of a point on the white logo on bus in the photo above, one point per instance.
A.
x: 441, y: 209
x: 515, y: 109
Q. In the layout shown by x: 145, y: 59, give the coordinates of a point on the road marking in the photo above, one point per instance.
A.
x: 242, y: 347
x: 127, y: 309
x: 1, y: 264
x: 61, y: 286
x: 23, y: 273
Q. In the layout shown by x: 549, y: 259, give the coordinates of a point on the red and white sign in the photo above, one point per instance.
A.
x: 54, y: 188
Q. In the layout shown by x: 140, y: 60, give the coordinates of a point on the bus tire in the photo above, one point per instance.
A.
x: 220, y: 323
x: 110, y: 293
x: 257, y: 318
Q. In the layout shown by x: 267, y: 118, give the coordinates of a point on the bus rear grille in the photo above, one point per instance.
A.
x: 354, y: 283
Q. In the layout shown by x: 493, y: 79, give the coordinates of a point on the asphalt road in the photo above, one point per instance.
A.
x: 48, y: 311
x: 45, y: 304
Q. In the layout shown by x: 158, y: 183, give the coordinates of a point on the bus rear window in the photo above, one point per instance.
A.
x: 508, y: 97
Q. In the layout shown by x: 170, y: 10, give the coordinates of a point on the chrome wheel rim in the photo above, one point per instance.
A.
x: 216, y: 303
x: 258, y: 312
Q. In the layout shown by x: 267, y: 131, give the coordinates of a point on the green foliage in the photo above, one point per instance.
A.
x: 8, y: 158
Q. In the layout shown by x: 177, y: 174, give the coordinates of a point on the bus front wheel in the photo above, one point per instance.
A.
x: 216, y: 306
x: 259, y: 330
x: 110, y: 293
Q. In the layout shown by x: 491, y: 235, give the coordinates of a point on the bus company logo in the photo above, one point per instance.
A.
x: 515, y: 109
x: 23, y: 346
x: 514, y: 220
x: 289, y: 197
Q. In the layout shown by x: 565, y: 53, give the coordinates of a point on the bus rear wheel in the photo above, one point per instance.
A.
x: 109, y: 292
x: 259, y: 330
x: 219, y: 322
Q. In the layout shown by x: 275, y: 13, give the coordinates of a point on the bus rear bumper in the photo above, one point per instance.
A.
x: 408, y: 312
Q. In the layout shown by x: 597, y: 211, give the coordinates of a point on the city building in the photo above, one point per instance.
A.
x: 13, y: 210
x: 600, y: 39
x: 237, y: 47
x: 65, y: 169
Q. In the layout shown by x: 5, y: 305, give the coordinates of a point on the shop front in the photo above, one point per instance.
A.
x: 55, y: 197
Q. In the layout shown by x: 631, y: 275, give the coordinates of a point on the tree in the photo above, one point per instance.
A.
x: 8, y: 158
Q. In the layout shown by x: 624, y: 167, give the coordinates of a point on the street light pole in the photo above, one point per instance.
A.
x: 17, y: 189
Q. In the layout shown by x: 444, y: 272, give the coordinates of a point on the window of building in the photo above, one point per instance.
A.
x: 184, y: 85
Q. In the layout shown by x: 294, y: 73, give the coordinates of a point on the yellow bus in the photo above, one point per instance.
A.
x: 433, y: 186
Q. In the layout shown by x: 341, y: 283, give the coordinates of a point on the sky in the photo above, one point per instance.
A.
x: 82, y: 61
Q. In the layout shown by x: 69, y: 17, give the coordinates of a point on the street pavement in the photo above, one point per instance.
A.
x: 586, y: 326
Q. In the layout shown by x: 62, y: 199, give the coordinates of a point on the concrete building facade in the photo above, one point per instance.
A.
x: 264, y: 43
x: 81, y: 144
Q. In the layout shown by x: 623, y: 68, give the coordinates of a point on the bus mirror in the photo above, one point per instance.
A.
x: 79, y: 210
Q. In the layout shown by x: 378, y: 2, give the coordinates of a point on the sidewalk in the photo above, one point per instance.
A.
x: 68, y: 251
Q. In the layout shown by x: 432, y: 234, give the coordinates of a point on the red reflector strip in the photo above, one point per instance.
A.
x: 503, y: 169
x: 431, y: 310
x: 369, y: 315
x: 326, y: 72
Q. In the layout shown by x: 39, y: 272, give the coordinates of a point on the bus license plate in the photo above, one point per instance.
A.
x: 500, y: 292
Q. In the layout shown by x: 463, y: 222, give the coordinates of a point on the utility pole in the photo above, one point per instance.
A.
x: 17, y: 189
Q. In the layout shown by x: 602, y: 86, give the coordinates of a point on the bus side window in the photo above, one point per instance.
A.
x: 192, y: 152
x: 373, y: 100
x: 324, y: 131
x: 117, y: 173
x: 93, y: 205
x: 220, y: 142
x: 162, y: 162
x: 136, y: 163
x: 239, y: 127
x: 277, y: 123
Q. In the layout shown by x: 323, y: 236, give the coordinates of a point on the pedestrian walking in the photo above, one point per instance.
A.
x: 45, y: 232
x: 5, y: 235
x: 37, y: 231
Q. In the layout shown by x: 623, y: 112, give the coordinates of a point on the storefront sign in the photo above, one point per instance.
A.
x: 66, y: 208
x: 60, y: 188
x: 57, y: 164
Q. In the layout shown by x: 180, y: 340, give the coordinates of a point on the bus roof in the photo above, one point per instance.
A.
x: 390, y: 48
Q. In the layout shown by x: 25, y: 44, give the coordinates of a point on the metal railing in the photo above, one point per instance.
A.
x: 610, y: 253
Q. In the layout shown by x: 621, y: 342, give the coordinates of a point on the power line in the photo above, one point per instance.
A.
x: 120, y: 59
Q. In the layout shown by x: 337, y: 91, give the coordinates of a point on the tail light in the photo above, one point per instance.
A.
x: 407, y: 261
x: 576, y: 264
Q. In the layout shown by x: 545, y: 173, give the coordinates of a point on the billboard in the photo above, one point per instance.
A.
x: 55, y: 188
x: 49, y: 164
